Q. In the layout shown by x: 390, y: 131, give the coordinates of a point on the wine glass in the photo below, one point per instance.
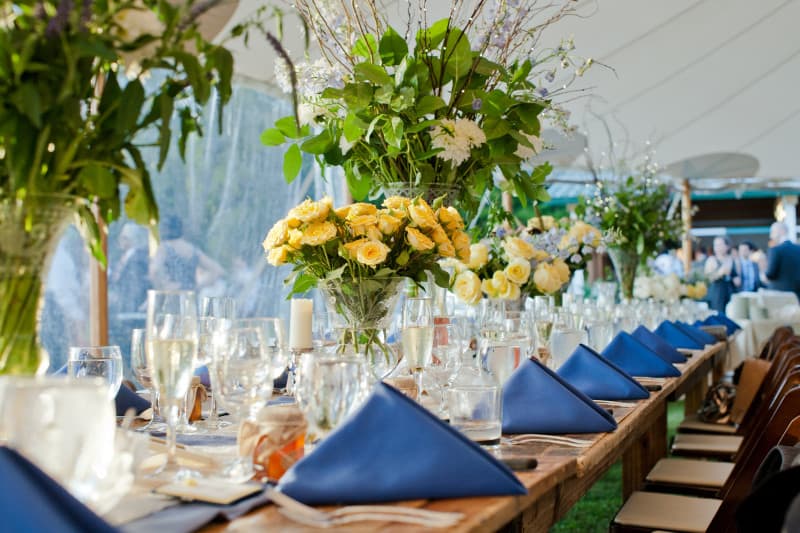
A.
x: 171, y: 350
x: 218, y: 307
x: 97, y: 362
x: 417, y: 337
x: 143, y: 374
x: 243, y: 381
x: 213, y: 311
x: 273, y: 334
x: 446, y: 358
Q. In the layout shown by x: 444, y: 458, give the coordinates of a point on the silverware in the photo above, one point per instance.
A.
x: 551, y: 439
x: 304, y: 514
x: 611, y: 403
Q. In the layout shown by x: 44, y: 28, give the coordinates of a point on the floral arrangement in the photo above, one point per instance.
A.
x: 507, y: 266
x: 667, y: 288
x: 443, y: 106
x: 359, y: 241
x: 69, y: 118
x: 574, y: 241
x: 696, y: 291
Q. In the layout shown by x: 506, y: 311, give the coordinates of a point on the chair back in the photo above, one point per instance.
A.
x: 773, y: 380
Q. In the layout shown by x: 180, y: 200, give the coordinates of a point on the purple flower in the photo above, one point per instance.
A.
x: 500, y: 232
x: 476, y: 104
x: 543, y: 92
x: 60, y: 20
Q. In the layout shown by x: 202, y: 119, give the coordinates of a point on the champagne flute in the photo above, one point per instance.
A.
x: 273, y: 335
x: 97, y: 362
x: 144, y: 374
x: 171, y: 350
x: 417, y: 337
x: 213, y: 310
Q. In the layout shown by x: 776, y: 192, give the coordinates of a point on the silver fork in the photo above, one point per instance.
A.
x: 552, y: 439
x: 299, y: 512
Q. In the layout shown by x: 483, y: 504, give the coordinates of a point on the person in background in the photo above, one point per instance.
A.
x: 720, y: 271
x: 783, y: 261
x: 667, y: 261
x: 178, y: 262
x: 760, y: 258
x: 747, y: 278
x: 129, y: 276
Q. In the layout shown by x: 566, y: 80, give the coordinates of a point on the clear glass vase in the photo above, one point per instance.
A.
x: 362, y: 311
x: 625, y: 264
x: 29, y: 233
x: 429, y: 192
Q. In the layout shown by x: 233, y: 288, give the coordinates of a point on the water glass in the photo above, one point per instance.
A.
x: 171, y: 332
x: 500, y: 355
x: 417, y: 337
x: 476, y: 411
x: 273, y: 334
x: 599, y: 334
x: 218, y: 307
x: 214, y: 311
x: 564, y: 338
x: 448, y: 345
x: 103, y: 362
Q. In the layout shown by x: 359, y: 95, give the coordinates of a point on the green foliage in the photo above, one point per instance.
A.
x: 69, y: 118
x: 380, y: 126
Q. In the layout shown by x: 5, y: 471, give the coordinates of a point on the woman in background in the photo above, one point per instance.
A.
x: 178, y: 262
x: 720, y: 272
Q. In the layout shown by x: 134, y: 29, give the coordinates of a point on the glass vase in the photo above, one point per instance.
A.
x: 362, y: 311
x: 30, y: 230
x: 625, y: 264
x: 429, y: 192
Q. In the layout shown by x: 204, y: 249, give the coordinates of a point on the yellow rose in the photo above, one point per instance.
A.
x: 518, y: 271
x: 372, y: 253
x: 580, y: 233
x: 361, y: 208
x: 516, y: 247
x: 439, y: 235
x: 478, y: 256
x: 295, y: 238
x: 310, y: 211
x: 467, y: 287
x: 562, y: 269
x: 360, y: 223
x: 461, y: 243
x: 342, y: 212
x: 542, y: 223
x: 546, y: 278
x: 388, y: 224
x: 418, y: 240
x: 292, y: 222
x: 539, y: 255
x: 277, y: 256
x: 446, y: 249
x: 421, y: 214
x: 352, y: 247
x: 450, y: 218
x: 512, y: 292
x: 396, y: 203
x: 496, y: 286
x: 276, y: 236
x: 318, y: 233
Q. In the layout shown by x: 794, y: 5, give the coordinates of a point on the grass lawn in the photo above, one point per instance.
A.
x: 594, y: 511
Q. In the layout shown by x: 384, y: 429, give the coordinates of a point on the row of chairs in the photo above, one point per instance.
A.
x: 694, y: 494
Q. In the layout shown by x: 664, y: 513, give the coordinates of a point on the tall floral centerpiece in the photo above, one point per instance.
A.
x: 359, y: 256
x: 431, y: 108
x: 639, y: 215
x: 72, y: 103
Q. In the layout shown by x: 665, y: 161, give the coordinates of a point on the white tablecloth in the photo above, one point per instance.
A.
x: 754, y: 333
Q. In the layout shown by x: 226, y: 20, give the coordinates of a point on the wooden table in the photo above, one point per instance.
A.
x: 562, y: 476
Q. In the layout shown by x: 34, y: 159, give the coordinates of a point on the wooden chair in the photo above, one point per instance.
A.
x: 646, y: 511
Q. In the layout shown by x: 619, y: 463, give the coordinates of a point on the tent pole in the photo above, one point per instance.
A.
x: 686, y: 215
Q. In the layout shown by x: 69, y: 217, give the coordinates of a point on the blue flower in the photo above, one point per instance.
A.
x: 476, y: 104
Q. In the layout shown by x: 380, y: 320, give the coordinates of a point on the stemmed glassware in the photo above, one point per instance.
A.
x: 214, y: 311
x: 144, y: 374
x: 417, y: 338
x: 273, y: 333
x: 448, y: 345
x: 103, y: 362
x: 171, y: 350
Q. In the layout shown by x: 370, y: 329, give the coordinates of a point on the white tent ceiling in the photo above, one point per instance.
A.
x: 692, y: 77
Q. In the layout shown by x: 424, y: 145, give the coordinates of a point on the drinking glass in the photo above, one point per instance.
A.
x: 564, y: 338
x: 500, y: 355
x: 97, y: 362
x: 143, y: 374
x: 171, y: 350
x: 213, y: 310
x: 476, y: 411
x: 243, y: 381
x: 273, y: 334
x: 329, y: 389
x: 543, y: 321
x: 417, y: 337
x: 445, y: 360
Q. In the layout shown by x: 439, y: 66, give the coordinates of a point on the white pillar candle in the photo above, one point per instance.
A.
x: 302, y: 313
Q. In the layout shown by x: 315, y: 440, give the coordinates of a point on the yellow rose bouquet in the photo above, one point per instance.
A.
x: 508, y: 267
x: 574, y: 241
x: 359, y: 255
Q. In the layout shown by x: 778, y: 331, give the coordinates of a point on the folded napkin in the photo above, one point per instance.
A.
x: 637, y: 359
x: 598, y: 378
x: 126, y: 398
x: 703, y: 337
x: 393, y: 449
x: 661, y: 347
x: 537, y: 400
x: 722, y: 320
x: 677, y: 337
x: 33, y: 501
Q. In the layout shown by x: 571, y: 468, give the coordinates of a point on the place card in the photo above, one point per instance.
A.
x: 209, y: 491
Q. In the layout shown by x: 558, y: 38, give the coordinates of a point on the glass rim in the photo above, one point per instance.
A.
x: 92, y: 350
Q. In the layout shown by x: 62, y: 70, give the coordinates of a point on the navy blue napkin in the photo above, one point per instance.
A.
x: 598, y: 378
x: 537, y: 400
x: 722, y: 320
x: 33, y: 501
x: 677, y: 337
x: 697, y: 334
x: 393, y: 449
x: 637, y: 359
x: 661, y: 347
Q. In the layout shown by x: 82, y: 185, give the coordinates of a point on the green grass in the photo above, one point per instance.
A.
x: 597, y: 508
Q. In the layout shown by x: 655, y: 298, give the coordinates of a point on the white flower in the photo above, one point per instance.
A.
x: 642, y: 288
x: 456, y: 138
x: 282, y: 76
x: 526, y: 152
x: 307, y: 113
x: 469, y: 130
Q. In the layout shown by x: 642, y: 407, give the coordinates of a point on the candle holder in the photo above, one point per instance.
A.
x: 291, y: 375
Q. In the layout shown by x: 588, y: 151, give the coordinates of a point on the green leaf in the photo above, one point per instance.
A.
x: 318, y: 145
x: 393, y: 132
x: 366, y: 47
x: 194, y: 73
x: 130, y: 106
x: 98, y: 180
x: 288, y: 126
x: 440, y: 276
x: 358, y: 184
x: 26, y: 100
x: 292, y: 162
x: 358, y: 96
x: 272, y: 137
x: 522, y: 71
x: 429, y: 104
x: 353, y: 127
x: 393, y: 48
x: 370, y: 72
x: 419, y: 126
x: 403, y: 258
x: 495, y: 127
x: 457, y: 54
x: 429, y: 38
x: 302, y: 283
x: 166, y: 106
